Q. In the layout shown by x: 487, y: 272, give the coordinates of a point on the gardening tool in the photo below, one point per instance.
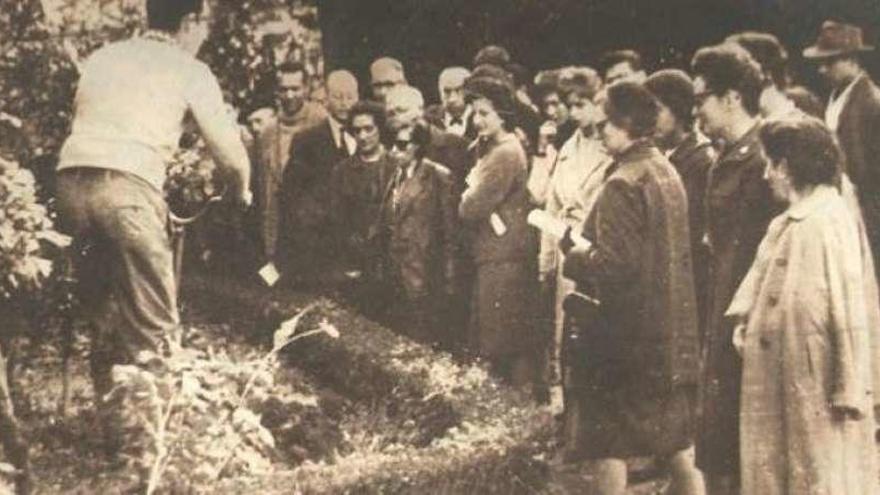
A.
x: 178, y: 230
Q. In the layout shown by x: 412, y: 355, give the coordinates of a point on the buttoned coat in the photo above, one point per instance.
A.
x: 692, y: 159
x: 419, y: 231
x: 858, y: 132
x: 639, y: 267
x: 505, y: 287
x: 808, y: 346
x: 576, y: 181
x: 739, y: 207
x: 306, y: 241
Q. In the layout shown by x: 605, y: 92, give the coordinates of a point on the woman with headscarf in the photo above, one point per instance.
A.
x: 807, y: 316
x: 494, y: 208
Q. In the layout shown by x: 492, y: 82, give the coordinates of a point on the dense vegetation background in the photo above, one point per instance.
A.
x: 428, y: 35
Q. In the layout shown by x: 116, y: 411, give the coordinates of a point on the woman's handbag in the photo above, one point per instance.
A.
x: 581, y: 353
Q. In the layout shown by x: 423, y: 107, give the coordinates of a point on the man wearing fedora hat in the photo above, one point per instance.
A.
x: 853, y: 113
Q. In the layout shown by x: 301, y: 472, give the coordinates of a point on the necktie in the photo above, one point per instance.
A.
x: 456, y: 121
x: 398, y: 186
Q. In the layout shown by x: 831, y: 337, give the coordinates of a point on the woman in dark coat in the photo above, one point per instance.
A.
x: 639, y: 364
x: 494, y: 208
x: 417, y: 230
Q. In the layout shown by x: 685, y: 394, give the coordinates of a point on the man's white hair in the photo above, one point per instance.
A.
x: 450, y: 74
x: 408, y: 95
x: 342, y: 79
x: 387, y: 64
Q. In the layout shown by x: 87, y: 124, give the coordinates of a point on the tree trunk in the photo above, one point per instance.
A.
x: 14, y: 444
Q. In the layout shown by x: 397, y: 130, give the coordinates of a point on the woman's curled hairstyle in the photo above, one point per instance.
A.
x: 495, y: 85
x: 808, y: 147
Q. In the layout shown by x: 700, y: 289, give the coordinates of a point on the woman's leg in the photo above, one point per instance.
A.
x: 609, y: 477
x: 721, y: 485
x: 686, y: 478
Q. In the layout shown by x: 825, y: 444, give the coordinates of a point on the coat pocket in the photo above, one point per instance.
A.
x: 816, y: 348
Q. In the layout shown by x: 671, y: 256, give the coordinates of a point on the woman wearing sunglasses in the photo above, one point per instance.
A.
x: 418, y: 228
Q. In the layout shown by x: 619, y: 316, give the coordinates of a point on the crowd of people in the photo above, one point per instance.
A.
x: 701, y: 196
x: 712, y: 301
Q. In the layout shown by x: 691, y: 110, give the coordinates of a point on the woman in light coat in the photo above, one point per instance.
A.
x: 807, y: 313
x: 578, y: 174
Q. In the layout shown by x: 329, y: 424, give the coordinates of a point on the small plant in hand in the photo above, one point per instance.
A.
x: 191, y: 180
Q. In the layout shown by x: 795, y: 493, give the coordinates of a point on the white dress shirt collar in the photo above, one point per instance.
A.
x: 458, y: 129
x: 836, y: 104
x: 340, y: 134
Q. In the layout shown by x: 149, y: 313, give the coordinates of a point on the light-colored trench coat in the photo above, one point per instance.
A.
x: 574, y: 185
x: 810, y: 342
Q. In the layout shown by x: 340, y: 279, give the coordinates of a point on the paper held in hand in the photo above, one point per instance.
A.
x: 497, y: 224
x: 545, y: 222
x: 269, y: 274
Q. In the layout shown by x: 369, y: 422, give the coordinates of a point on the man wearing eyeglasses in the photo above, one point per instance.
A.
x: 129, y: 110
x: 739, y: 206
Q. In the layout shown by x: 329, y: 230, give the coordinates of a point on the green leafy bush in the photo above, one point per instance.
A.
x: 25, y: 230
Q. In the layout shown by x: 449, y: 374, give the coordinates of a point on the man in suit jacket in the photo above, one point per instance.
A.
x: 306, y: 239
x: 853, y: 113
x: 453, y: 114
x: 418, y: 222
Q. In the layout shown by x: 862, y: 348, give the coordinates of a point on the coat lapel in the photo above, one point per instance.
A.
x: 850, y: 113
x: 412, y: 189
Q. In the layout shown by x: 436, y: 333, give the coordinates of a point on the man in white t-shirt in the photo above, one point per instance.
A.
x: 129, y: 110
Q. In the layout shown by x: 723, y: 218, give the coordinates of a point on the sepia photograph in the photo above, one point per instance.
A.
x: 418, y: 247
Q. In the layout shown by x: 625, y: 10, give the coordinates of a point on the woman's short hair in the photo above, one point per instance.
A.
x: 371, y: 108
x: 495, y: 85
x: 766, y: 49
x: 612, y: 58
x: 492, y: 55
x: 421, y: 137
x: 633, y: 108
x: 542, y: 89
x: 583, y: 82
x: 805, y: 100
x: 167, y: 15
x: 675, y: 89
x: 808, y: 147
